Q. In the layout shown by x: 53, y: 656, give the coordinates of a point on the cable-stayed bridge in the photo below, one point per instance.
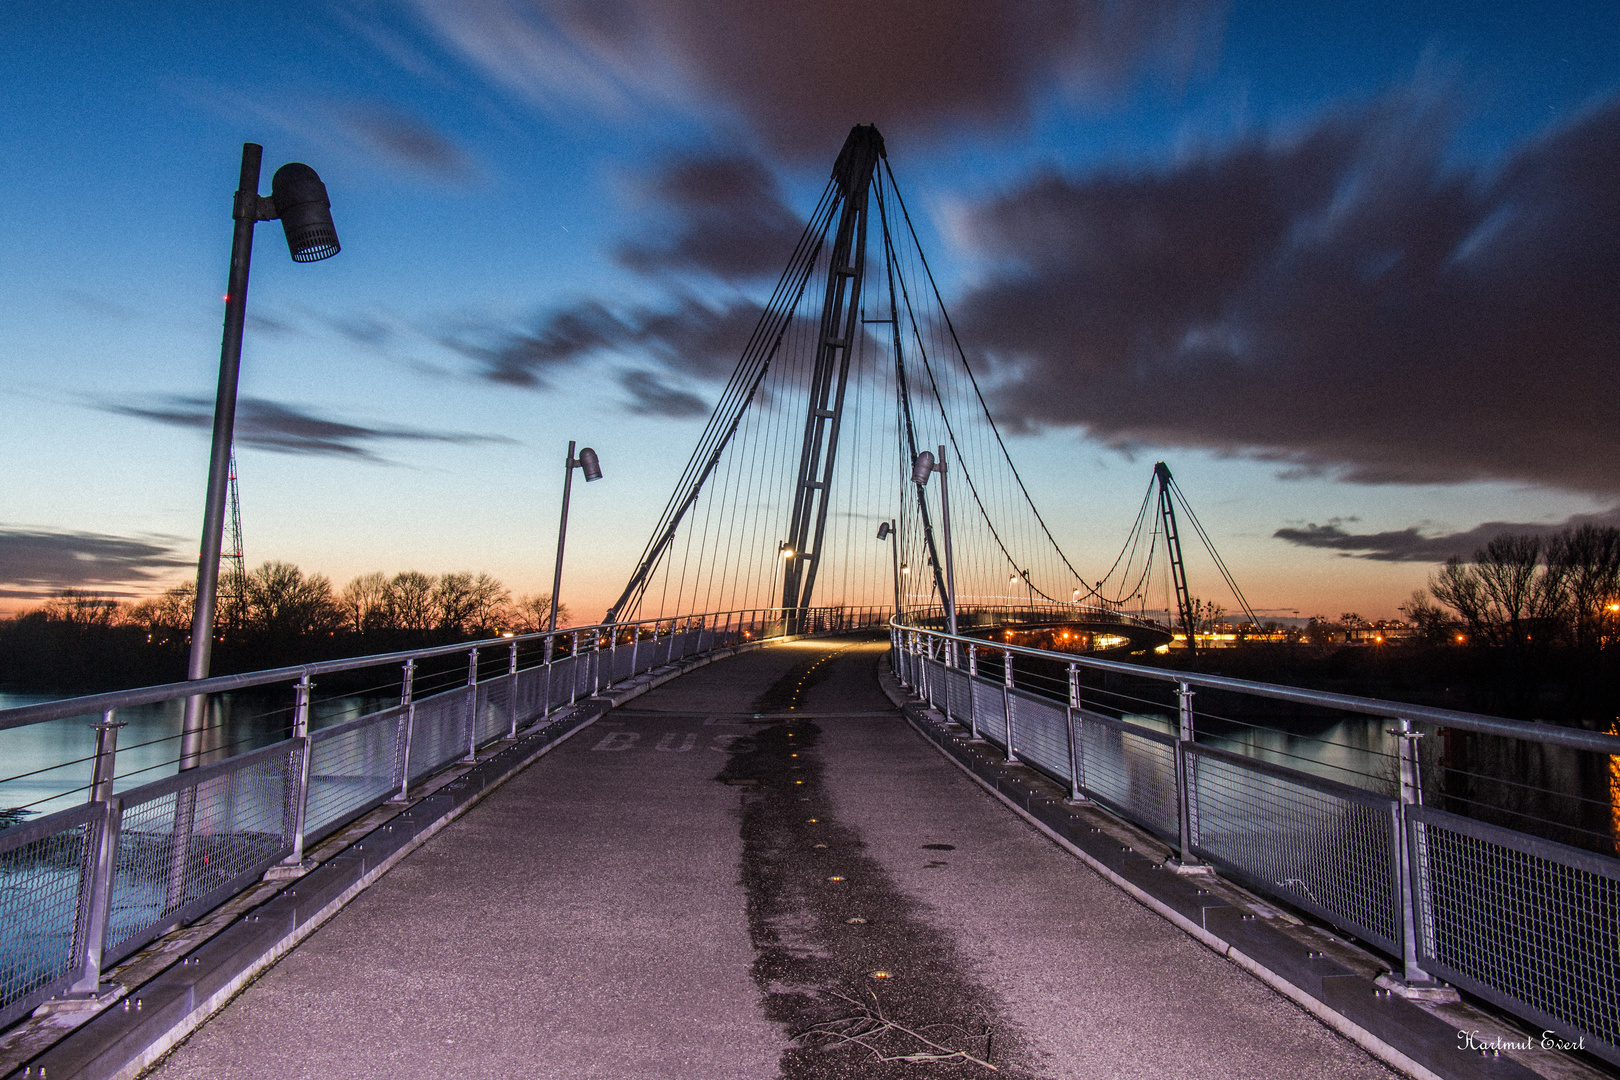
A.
x: 798, y: 806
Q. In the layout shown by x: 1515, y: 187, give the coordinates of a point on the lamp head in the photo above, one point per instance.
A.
x: 884, y: 530
x: 922, y: 467
x: 305, y: 212
x: 589, y: 463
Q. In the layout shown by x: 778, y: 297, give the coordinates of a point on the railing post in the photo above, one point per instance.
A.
x: 1186, y: 820
x: 551, y: 641
x: 635, y: 649
x: 1411, y: 795
x: 1007, y: 699
x: 973, y: 697
x: 919, y: 672
x: 1077, y: 770
x: 512, y: 690
x: 100, y: 861
x: 295, y: 864
x: 472, y: 705
x: 407, y: 724
x: 573, y: 669
x: 596, y: 661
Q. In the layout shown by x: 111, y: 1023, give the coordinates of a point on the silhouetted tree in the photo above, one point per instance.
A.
x: 283, y: 603
x: 410, y: 601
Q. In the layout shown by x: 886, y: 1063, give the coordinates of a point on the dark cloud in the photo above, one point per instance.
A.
x: 100, y: 305
x: 265, y: 324
x: 37, y: 563
x: 651, y: 396
x: 802, y: 73
x: 407, y: 141
x: 270, y: 425
x: 1341, y: 301
x: 689, y: 339
x: 725, y: 216
x: 1411, y: 545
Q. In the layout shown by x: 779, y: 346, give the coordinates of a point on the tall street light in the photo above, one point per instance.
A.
x: 925, y: 464
x: 592, y: 468
x: 886, y: 530
x: 298, y: 199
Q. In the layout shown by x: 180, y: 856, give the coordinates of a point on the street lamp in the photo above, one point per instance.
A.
x: 587, y: 463
x: 925, y: 464
x: 886, y: 529
x: 298, y: 199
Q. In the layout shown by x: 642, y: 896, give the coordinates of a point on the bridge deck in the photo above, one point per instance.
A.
x: 650, y: 900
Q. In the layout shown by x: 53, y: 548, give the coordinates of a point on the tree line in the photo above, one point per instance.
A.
x: 1525, y: 592
x: 272, y: 615
x: 279, y: 599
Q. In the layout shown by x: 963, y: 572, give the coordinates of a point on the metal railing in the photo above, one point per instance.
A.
x: 84, y: 887
x: 1395, y: 836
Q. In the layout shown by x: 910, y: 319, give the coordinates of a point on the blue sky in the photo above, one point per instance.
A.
x: 1349, y: 268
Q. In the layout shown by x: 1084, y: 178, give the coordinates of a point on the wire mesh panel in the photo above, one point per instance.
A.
x: 1529, y: 924
x: 531, y: 693
x: 1041, y: 733
x: 438, y: 732
x: 988, y: 710
x: 960, y: 695
x: 189, y: 841
x: 42, y: 865
x: 562, y: 677
x: 1326, y: 847
x: 1133, y: 771
x: 351, y: 769
x: 621, y: 662
x: 494, y: 715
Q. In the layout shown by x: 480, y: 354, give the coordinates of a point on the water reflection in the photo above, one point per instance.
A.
x: 47, y: 767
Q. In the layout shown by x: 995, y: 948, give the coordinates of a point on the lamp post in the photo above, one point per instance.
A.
x: 925, y: 464
x: 886, y: 530
x: 298, y: 199
x: 593, y: 471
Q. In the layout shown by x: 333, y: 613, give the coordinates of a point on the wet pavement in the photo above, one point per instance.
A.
x: 686, y: 889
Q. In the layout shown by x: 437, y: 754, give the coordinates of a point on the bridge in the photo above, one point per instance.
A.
x: 812, y: 803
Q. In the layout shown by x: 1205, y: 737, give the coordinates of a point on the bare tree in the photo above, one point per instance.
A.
x: 532, y: 614
x: 364, y: 602
x: 80, y: 609
x: 1431, y: 621
x: 466, y: 602
x: 283, y: 602
x: 410, y: 600
x: 1589, y: 559
x: 168, y: 614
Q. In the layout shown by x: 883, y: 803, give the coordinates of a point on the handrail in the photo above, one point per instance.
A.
x: 25, y: 715
x: 1531, y: 731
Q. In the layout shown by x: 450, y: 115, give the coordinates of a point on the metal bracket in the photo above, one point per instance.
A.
x: 252, y: 206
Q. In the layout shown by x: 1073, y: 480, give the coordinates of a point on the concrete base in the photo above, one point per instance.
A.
x: 104, y: 995
x: 1176, y: 866
x: 290, y: 871
x: 1437, y: 992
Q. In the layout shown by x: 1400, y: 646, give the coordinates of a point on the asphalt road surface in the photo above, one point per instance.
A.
x: 685, y: 891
